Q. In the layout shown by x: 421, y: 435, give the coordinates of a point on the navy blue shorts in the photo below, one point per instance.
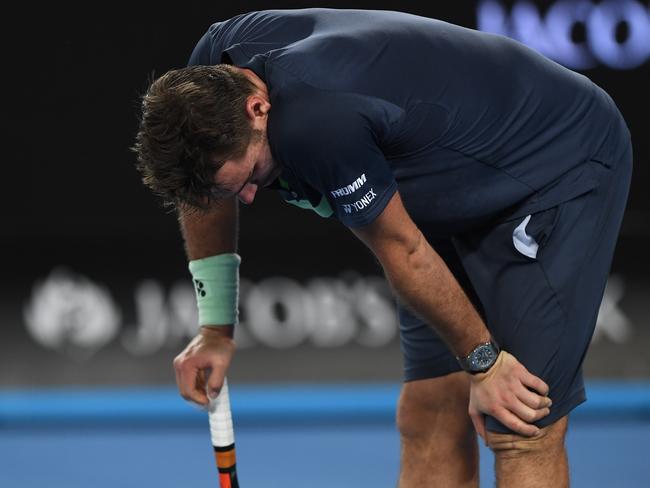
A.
x: 538, y: 282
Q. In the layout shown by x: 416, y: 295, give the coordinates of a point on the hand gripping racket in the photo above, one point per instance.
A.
x: 223, y: 438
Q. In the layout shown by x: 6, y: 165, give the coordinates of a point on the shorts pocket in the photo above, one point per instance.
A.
x: 533, y: 231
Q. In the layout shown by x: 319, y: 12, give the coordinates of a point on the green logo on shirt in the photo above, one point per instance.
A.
x: 323, y: 208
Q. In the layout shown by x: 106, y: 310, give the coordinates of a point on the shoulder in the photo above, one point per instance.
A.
x: 222, y: 35
x: 302, y: 110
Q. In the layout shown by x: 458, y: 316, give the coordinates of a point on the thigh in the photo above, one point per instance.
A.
x: 541, y: 302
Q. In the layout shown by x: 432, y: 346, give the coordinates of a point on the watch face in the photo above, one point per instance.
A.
x: 483, y: 357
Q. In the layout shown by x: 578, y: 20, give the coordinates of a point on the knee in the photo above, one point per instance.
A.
x: 413, y: 415
x: 433, y: 406
x: 549, y: 440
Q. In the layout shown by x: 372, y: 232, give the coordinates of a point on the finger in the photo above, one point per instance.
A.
x: 188, y: 374
x: 525, y: 413
x: 533, y: 400
x: 200, y: 383
x: 515, y: 424
x: 215, y: 382
x: 180, y: 383
x: 535, y: 383
x: 478, y: 419
x: 177, y: 373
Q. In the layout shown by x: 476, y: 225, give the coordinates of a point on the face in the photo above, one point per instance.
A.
x: 243, y: 176
x: 255, y: 169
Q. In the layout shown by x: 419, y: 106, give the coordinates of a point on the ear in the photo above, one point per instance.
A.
x: 257, y: 106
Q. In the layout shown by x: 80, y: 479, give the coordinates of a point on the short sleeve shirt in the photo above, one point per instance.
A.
x: 466, y: 125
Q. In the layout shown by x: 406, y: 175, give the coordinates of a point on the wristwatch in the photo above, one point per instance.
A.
x: 481, y: 358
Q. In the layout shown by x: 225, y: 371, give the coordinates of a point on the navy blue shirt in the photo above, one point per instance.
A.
x: 468, y: 126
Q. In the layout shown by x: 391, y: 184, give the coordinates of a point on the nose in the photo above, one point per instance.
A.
x: 247, y: 194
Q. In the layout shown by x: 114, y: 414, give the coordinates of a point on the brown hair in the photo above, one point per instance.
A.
x: 192, y: 120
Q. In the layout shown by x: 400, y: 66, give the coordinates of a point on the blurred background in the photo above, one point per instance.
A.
x: 96, y: 300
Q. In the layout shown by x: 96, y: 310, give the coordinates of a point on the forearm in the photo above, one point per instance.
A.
x: 208, y: 233
x: 211, y: 232
x: 423, y: 282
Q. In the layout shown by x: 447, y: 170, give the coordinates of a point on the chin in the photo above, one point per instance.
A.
x: 272, y: 173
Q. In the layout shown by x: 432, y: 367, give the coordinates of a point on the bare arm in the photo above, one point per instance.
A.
x: 211, y: 232
x: 422, y: 280
x: 207, y: 233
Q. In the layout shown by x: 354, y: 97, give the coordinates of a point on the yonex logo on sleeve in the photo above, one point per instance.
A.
x: 360, y: 204
x: 351, y: 188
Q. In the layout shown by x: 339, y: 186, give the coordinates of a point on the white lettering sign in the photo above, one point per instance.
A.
x: 67, y: 309
x: 552, y: 34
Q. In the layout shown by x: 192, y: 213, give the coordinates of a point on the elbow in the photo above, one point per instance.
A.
x: 414, y: 251
x: 405, y: 255
x: 414, y: 245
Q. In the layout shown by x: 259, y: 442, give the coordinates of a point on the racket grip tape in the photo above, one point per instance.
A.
x: 223, y: 438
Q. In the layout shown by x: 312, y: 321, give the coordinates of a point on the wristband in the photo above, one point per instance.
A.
x: 216, y: 283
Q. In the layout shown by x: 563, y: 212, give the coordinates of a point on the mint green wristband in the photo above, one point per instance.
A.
x: 216, y: 283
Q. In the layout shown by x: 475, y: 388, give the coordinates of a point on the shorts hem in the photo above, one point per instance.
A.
x: 441, y: 368
x: 557, y: 412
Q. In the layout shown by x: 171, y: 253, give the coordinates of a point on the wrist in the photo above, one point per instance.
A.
x: 471, y: 344
x: 216, y: 283
x: 481, y: 358
x: 491, y: 371
x: 226, y: 331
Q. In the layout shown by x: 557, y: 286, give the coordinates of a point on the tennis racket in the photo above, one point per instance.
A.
x: 223, y: 438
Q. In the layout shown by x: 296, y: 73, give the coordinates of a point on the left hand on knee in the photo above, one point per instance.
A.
x: 502, y: 392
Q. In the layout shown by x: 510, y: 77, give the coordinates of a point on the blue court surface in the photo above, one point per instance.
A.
x: 287, y: 436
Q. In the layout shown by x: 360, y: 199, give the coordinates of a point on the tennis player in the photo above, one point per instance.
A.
x: 489, y: 181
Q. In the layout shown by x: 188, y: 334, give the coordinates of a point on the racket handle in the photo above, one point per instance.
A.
x: 223, y: 438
